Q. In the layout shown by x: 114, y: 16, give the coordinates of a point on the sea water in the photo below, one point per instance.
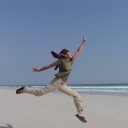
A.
x: 87, y: 88
x: 102, y: 88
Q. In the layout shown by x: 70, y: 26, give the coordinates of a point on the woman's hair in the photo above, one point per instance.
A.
x: 60, y: 55
x: 64, y: 51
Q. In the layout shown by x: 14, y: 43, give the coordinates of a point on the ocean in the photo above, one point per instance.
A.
x: 88, y: 88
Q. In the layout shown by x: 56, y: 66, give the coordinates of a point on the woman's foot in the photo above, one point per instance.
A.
x: 81, y: 118
x: 20, y: 90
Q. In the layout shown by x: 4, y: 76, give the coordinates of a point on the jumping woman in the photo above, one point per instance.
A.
x: 64, y: 63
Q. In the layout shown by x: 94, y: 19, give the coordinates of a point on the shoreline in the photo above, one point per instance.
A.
x: 81, y: 92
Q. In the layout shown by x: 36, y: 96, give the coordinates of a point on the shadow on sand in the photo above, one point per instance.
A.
x: 7, y: 126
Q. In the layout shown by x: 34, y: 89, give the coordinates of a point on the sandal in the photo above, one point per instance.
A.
x: 20, y: 90
x: 81, y: 118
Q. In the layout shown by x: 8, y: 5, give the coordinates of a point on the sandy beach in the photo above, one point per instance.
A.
x: 57, y: 110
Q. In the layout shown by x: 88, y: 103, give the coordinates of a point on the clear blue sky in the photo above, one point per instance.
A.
x: 30, y: 29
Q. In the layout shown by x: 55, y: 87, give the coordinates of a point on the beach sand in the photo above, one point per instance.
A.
x: 57, y: 110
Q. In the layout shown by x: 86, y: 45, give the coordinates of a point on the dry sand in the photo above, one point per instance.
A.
x: 57, y: 110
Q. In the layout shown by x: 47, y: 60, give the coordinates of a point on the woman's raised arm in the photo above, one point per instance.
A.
x: 80, y: 49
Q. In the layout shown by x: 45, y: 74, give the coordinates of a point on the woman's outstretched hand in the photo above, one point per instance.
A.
x: 36, y: 69
x: 84, y: 40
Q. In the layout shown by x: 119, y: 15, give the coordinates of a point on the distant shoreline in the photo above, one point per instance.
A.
x: 92, y: 89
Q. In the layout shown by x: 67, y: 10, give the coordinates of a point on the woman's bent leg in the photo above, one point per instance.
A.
x: 79, y: 103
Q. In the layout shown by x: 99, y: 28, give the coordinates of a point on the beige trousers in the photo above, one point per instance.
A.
x: 57, y: 84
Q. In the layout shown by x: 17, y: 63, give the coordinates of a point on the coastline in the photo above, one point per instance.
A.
x: 55, y: 110
x: 88, y: 90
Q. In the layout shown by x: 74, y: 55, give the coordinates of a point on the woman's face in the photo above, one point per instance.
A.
x: 69, y: 55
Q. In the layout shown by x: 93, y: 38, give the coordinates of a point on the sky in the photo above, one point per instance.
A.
x: 30, y: 29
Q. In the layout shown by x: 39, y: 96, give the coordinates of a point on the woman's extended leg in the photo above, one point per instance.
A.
x: 38, y: 92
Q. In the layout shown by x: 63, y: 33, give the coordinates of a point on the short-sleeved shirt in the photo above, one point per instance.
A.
x: 65, y: 68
